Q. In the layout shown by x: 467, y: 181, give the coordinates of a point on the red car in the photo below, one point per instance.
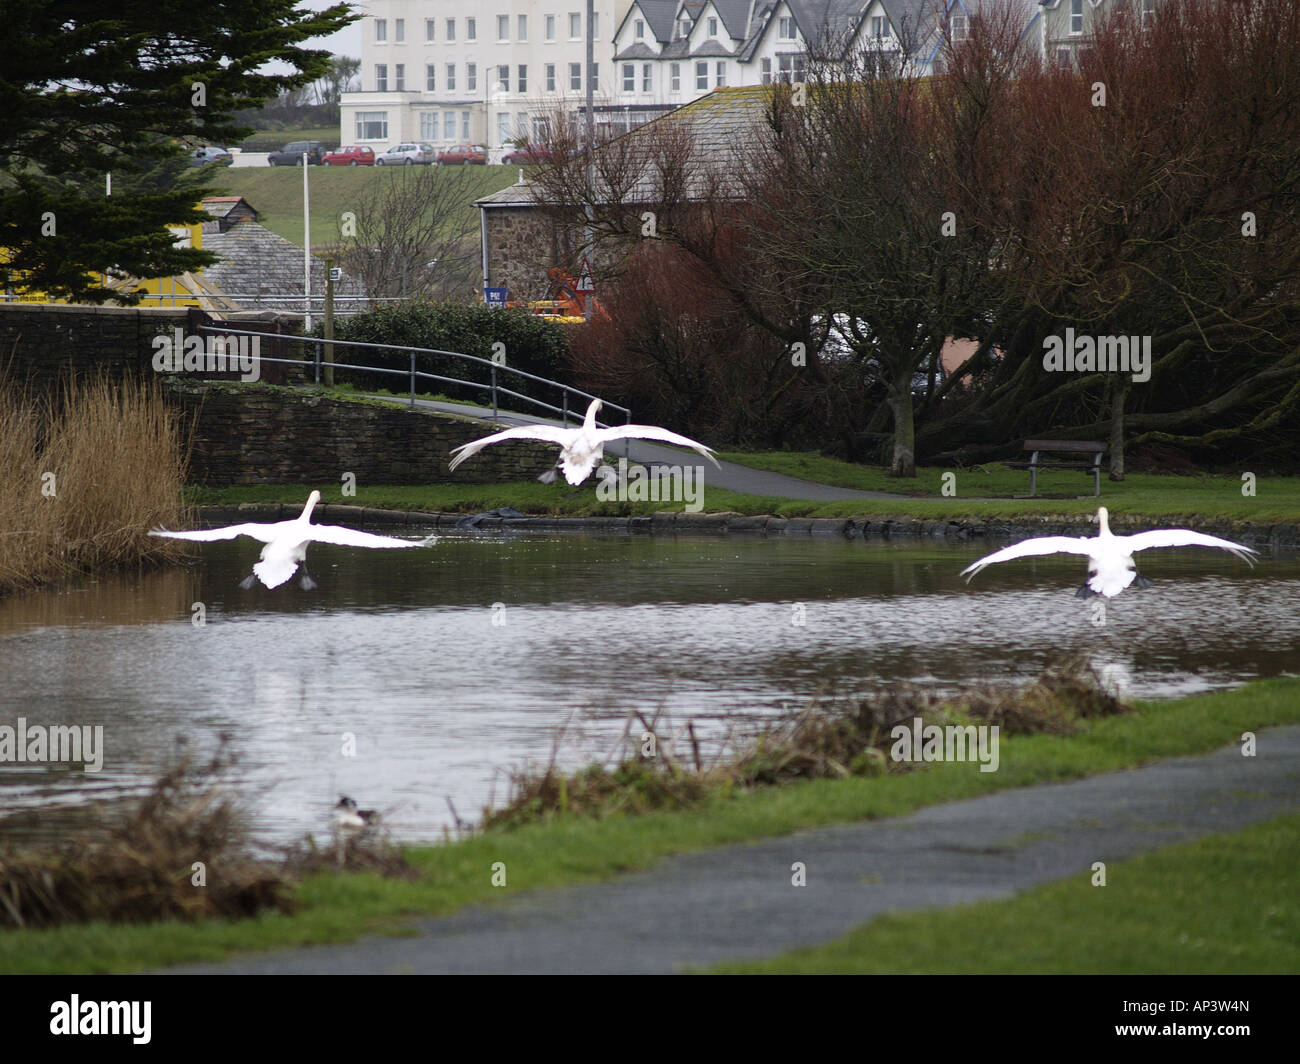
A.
x: 350, y: 155
x: 462, y: 154
x: 532, y: 156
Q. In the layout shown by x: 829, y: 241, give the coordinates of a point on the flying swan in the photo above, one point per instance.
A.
x: 1110, y: 558
x: 581, y: 448
x: 287, y: 541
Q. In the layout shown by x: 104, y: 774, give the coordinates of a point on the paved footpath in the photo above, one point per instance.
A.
x: 738, y: 902
x: 737, y: 478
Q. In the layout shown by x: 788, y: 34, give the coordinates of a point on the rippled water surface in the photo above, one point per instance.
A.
x: 399, y: 650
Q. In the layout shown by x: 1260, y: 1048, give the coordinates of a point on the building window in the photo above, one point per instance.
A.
x: 1148, y: 11
x: 720, y: 74
x: 1063, y: 60
x: 451, y: 29
x: 701, y: 76
x: 575, y: 77
x: 430, y: 78
x: 503, y: 77
x: 399, y: 34
x: 471, y: 77
x: 451, y: 77
x: 1076, y: 17
x: 550, y: 77
x: 713, y: 27
x: 647, y: 77
x: 595, y: 25
x: 381, y: 30
x: 550, y: 27
x: 522, y: 28
x: 428, y: 125
x: 638, y: 29
x: 503, y: 128
x: 503, y: 27
x: 790, y: 68
x: 541, y: 131
x: 449, y: 125
x: 381, y: 77
x: 766, y: 67
x: 430, y: 28
x: 629, y: 77
x: 575, y: 25
x: 372, y: 125
x: 464, y: 125
x: 880, y: 28
x: 471, y: 29
x: 523, y: 78
x: 684, y: 28
x: 595, y: 77
x: 399, y: 77
x: 675, y: 77
x: 785, y: 28
x: 959, y: 27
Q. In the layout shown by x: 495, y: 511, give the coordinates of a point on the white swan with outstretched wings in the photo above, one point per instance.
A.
x: 1110, y: 558
x: 581, y: 449
x: 287, y: 542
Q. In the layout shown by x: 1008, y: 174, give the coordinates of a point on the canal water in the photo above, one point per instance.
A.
x: 411, y: 677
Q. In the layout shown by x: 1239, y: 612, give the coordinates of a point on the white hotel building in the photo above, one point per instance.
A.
x: 449, y: 72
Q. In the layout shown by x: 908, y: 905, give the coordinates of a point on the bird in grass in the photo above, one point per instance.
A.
x: 349, y: 818
x: 581, y: 449
x: 1110, y: 558
x: 287, y: 542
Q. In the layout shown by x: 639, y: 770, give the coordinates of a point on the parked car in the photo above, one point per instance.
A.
x: 350, y: 155
x: 291, y: 154
x: 464, y: 153
x: 532, y: 155
x: 409, y: 154
x: 211, y: 154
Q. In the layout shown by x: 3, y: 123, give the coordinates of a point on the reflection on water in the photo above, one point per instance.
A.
x: 397, y: 653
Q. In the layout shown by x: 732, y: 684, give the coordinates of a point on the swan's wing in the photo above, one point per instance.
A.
x: 546, y: 433
x: 264, y: 532
x: 350, y: 537
x: 1031, y: 547
x: 653, y: 432
x: 1184, y: 537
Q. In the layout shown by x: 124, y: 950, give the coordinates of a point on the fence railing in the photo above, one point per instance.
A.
x: 413, y: 375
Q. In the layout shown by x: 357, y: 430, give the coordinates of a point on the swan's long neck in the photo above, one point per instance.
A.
x: 589, y: 423
x: 1103, y: 522
x: 312, y: 500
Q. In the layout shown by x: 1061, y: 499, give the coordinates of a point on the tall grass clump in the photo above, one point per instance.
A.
x: 84, y: 478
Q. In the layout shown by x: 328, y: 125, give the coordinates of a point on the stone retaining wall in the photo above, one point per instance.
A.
x: 261, y: 434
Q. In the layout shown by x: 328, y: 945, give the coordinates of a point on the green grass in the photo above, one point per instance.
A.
x: 988, y: 490
x: 1225, y: 904
x: 276, y: 193
x: 570, y: 850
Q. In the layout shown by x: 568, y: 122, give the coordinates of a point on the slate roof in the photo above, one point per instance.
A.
x: 256, y: 261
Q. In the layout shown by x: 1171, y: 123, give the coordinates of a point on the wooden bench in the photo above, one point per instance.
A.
x: 1070, y: 447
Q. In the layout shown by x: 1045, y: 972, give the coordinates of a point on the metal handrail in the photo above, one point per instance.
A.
x: 493, y: 387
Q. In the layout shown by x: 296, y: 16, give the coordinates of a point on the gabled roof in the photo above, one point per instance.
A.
x: 659, y: 15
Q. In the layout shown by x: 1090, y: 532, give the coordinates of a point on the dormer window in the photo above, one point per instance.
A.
x: 639, y: 29
x: 713, y: 27
x: 1148, y: 11
x: 880, y: 28
x: 960, y: 30
x: 1076, y: 17
x: 785, y: 28
x: 684, y: 28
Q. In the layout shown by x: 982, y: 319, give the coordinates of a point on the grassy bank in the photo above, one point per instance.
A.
x: 1139, y: 501
x: 1225, y: 904
x: 85, y: 479
x: 568, y: 849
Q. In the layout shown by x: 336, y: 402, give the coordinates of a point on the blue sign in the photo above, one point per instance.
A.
x: 495, y: 297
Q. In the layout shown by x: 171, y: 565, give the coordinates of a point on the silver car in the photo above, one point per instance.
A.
x: 406, y: 155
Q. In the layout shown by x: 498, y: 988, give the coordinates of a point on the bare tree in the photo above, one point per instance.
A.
x: 413, y: 233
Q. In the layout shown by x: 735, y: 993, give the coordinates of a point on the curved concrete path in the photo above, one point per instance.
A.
x: 733, y: 477
x: 738, y: 902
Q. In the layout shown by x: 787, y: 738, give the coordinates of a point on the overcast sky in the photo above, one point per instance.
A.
x: 345, y: 42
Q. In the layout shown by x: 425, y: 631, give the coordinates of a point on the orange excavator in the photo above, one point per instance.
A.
x: 569, y: 299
